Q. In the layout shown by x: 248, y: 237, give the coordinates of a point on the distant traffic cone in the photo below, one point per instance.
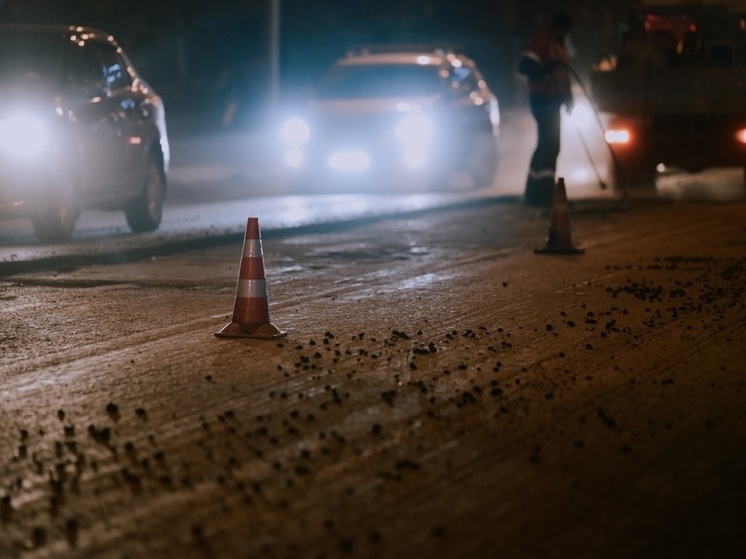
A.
x: 250, y: 308
x: 559, y: 238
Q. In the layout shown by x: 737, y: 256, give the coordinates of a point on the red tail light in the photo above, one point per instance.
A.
x: 618, y: 136
x: 741, y: 135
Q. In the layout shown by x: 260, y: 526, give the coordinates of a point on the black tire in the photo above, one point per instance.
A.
x: 145, y: 213
x: 56, y: 222
x: 475, y: 168
x: 482, y: 164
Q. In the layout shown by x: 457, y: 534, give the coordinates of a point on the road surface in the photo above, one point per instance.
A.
x: 219, y: 179
x: 442, y: 391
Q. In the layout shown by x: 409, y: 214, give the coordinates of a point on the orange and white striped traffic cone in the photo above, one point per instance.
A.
x: 559, y: 237
x: 250, y: 308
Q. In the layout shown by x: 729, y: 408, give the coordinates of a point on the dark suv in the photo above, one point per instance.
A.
x: 392, y: 115
x: 79, y: 129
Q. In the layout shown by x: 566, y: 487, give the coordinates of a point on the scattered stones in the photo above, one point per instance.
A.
x: 102, y: 435
x: 6, y: 509
x: 38, y: 536
x: 407, y: 465
x: 608, y: 421
x: 414, y: 371
x: 113, y: 410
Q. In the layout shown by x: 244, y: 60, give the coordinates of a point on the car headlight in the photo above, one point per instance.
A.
x: 295, y: 131
x: 23, y: 136
x: 415, y: 130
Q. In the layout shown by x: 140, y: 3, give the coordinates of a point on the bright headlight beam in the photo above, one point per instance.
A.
x: 351, y: 160
x: 295, y: 131
x: 294, y: 158
x: 582, y: 115
x: 415, y: 158
x: 23, y: 136
x: 416, y: 129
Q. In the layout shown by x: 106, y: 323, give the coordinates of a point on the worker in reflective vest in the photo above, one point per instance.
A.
x: 545, y: 63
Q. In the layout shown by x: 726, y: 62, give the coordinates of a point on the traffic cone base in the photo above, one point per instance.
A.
x: 250, y: 307
x: 236, y: 330
x: 559, y: 236
x: 570, y: 250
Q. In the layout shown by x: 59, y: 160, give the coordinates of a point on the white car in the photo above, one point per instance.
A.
x: 386, y: 117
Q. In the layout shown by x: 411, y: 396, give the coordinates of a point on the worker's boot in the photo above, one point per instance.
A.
x: 539, y: 191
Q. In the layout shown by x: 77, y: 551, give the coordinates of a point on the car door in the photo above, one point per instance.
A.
x: 133, y: 119
x: 97, y: 123
x: 469, y: 101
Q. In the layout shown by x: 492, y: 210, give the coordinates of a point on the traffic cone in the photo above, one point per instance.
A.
x: 250, y: 308
x: 559, y: 237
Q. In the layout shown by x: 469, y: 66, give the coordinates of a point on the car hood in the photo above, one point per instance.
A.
x: 372, y: 106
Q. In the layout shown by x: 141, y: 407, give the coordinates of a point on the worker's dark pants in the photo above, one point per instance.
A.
x: 541, y: 179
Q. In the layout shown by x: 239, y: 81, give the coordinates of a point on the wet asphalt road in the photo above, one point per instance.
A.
x: 219, y: 178
x: 442, y: 391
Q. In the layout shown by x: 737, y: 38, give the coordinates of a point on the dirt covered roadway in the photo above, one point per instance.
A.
x: 442, y: 392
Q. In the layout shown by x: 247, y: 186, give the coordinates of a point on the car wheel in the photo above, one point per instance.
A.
x: 475, y: 167
x: 145, y: 213
x: 483, y: 160
x: 56, y: 222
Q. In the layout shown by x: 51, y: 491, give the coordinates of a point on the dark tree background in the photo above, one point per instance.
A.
x: 201, y: 55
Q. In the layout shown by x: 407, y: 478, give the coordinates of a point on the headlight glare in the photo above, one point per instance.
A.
x: 23, y: 136
x: 415, y: 158
x: 294, y: 157
x: 353, y: 160
x: 295, y: 131
x: 582, y: 115
x: 415, y: 129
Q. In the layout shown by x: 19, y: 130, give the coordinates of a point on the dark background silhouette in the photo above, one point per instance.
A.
x: 202, y: 56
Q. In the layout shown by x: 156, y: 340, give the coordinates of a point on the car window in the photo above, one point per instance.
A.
x: 379, y: 80
x: 115, y: 68
x: 99, y: 66
x: 86, y: 71
x: 464, y: 80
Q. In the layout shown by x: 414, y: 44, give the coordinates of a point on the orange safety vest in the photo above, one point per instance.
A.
x: 545, y: 47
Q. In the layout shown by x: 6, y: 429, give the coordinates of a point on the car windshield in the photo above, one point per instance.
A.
x: 29, y: 56
x: 379, y: 80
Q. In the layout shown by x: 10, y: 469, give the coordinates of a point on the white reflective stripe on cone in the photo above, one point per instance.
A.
x: 251, y: 288
x: 252, y: 248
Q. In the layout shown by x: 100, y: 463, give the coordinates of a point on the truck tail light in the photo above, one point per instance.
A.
x: 741, y: 135
x: 619, y: 136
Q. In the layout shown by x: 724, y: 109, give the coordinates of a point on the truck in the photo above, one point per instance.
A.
x: 674, y: 95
